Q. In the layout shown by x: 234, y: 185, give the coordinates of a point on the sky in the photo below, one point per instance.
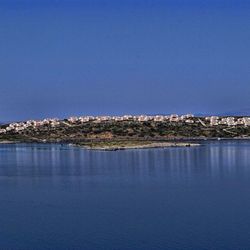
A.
x: 60, y: 58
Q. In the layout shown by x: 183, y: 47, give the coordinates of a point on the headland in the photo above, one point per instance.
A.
x: 120, y: 132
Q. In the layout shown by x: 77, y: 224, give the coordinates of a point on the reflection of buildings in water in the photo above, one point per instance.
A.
x: 229, y: 158
x: 214, y: 159
x: 211, y: 159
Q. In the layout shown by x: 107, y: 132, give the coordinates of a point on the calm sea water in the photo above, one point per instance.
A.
x: 61, y: 197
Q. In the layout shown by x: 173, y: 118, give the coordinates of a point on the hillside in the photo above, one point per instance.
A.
x: 125, y: 130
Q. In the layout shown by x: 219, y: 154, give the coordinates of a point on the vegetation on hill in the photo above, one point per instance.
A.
x: 125, y: 130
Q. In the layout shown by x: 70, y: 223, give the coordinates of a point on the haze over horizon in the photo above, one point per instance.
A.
x: 61, y: 58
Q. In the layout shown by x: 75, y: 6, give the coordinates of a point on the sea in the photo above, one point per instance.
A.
x: 56, y: 196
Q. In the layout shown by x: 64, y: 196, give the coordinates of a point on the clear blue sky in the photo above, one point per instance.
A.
x: 72, y: 57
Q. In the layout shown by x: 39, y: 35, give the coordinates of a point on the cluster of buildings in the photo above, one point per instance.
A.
x: 31, y: 124
x: 229, y: 121
x: 188, y: 118
x: 140, y: 118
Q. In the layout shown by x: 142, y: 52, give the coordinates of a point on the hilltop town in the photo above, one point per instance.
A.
x: 128, y: 127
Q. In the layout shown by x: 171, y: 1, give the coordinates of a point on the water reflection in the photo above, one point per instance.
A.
x: 213, y: 159
x: 61, y: 197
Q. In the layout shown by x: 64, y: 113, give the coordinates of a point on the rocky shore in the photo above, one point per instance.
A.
x: 7, y: 142
x: 134, y: 145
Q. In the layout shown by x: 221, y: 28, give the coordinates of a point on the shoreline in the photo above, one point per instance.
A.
x: 9, y: 142
x: 142, y: 146
x: 119, y: 144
